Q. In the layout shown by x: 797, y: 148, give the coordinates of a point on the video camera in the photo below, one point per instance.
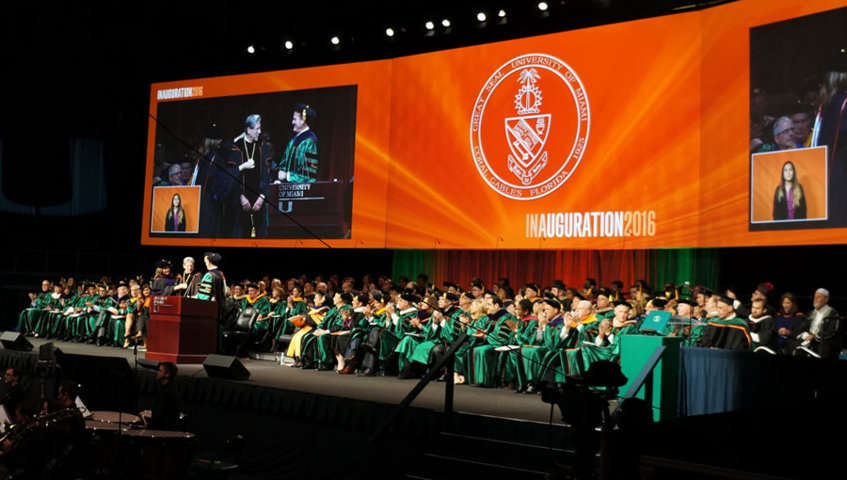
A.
x: 584, y: 400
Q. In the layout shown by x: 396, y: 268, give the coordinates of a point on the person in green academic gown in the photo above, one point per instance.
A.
x: 136, y: 317
x: 52, y: 315
x: 423, y: 329
x: 347, y: 345
x: 117, y: 321
x: 398, y: 323
x: 709, y: 312
x: 333, y: 325
x: 524, y: 335
x: 580, y: 325
x: 305, y: 324
x: 258, y: 299
x: 74, y: 320
x: 477, y: 325
x: 542, y: 340
x: 375, y: 318
x: 30, y: 316
x: 69, y: 299
x: 308, y: 344
x: 299, y: 163
x: 295, y: 307
x: 607, y: 343
x: 549, y: 362
x: 99, y: 315
x: 278, y: 309
x: 588, y: 331
x: 603, y: 307
x: 438, y: 333
x: 484, y: 366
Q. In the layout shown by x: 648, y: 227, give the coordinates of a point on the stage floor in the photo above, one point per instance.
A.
x: 494, y: 402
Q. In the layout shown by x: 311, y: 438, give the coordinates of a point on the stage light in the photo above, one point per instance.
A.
x: 481, y: 16
x: 445, y: 23
x: 501, y: 13
x: 335, y: 40
x: 289, y: 45
x: 429, y: 25
x: 542, y: 6
x: 843, y: 50
x: 389, y: 32
x: 251, y: 49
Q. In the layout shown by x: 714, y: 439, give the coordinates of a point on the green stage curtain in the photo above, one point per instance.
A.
x: 698, y: 266
x: 411, y: 263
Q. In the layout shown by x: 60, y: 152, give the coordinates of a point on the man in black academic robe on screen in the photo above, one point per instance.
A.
x: 248, y: 161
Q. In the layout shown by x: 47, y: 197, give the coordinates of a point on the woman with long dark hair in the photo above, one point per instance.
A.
x: 175, y: 218
x: 789, y: 201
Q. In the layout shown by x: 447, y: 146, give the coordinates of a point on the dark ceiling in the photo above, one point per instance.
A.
x: 82, y: 55
x: 83, y: 69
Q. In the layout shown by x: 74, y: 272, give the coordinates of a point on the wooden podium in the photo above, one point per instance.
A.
x: 181, y: 330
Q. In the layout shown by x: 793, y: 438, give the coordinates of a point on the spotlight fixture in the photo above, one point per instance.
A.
x: 429, y: 25
x: 481, y: 17
x: 542, y: 6
x: 389, y: 32
x: 501, y: 13
x: 335, y: 40
x: 289, y: 45
x: 445, y: 23
x: 251, y: 49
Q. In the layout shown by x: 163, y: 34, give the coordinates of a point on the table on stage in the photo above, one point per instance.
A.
x: 181, y: 330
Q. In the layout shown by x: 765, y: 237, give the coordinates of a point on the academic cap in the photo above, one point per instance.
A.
x: 306, y: 111
x: 553, y: 303
x: 659, y: 302
x: 450, y: 296
x: 726, y: 300
x: 411, y: 298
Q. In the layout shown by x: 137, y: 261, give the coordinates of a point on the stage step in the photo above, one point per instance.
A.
x: 513, y: 430
x: 492, y: 458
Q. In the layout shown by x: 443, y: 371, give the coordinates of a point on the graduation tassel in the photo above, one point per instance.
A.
x: 252, y: 227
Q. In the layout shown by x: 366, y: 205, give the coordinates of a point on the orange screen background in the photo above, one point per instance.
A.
x: 162, y: 197
x: 669, y: 136
x: 811, y: 173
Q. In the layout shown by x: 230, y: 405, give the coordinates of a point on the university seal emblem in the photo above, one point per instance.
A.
x: 541, y: 106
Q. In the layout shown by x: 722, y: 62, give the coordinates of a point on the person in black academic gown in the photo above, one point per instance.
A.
x: 248, y: 159
x: 728, y: 331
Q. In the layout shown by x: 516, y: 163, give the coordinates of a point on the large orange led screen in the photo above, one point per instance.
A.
x: 667, y: 132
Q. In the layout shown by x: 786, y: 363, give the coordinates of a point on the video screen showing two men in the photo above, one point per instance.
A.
x: 275, y: 165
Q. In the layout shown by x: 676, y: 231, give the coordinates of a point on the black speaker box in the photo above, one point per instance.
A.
x: 15, y: 341
x: 223, y: 366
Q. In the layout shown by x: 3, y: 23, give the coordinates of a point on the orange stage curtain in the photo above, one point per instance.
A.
x: 522, y: 266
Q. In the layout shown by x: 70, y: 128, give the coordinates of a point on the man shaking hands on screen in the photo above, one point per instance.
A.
x: 299, y: 163
x: 251, y: 156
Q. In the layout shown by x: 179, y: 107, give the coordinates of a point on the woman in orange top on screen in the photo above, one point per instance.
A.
x: 175, y: 219
x: 789, y: 201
